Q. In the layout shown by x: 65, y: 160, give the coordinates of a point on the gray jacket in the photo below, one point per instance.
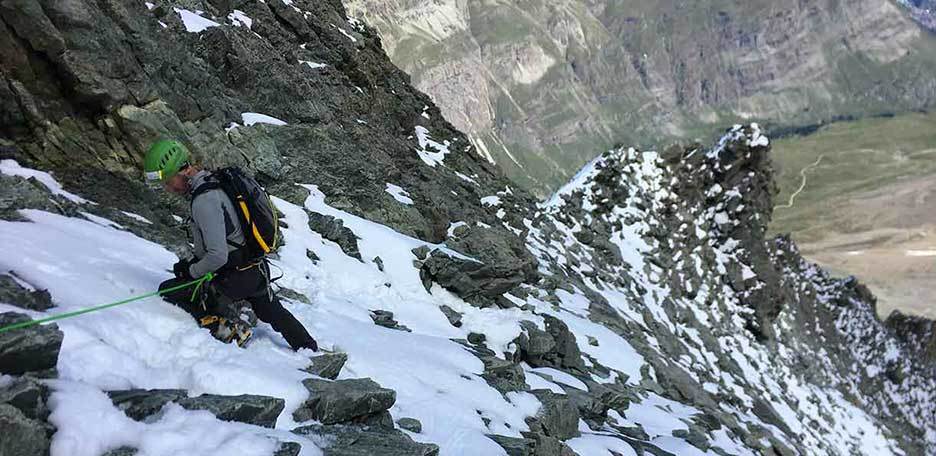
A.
x: 214, y: 223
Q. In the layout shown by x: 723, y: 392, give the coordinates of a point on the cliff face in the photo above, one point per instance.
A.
x: 640, y: 310
x: 542, y: 84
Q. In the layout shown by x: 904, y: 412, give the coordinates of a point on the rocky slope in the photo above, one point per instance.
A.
x: 641, y: 310
x: 540, y: 85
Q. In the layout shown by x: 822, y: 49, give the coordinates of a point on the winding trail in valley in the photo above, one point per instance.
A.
x: 802, y: 185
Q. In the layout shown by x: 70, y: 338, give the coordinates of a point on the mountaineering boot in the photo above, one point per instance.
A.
x: 227, y: 330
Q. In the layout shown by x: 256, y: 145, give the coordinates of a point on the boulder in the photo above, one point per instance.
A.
x: 362, y: 440
x: 30, y: 349
x: 385, y: 318
x: 454, y: 317
x: 140, y: 404
x: 327, y: 365
x: 341, y: 401
x: 410, y: 424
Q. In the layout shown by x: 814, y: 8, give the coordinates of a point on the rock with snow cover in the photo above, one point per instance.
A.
x: 11, y: 292
x: 334, y: 230
x: 246, y: 408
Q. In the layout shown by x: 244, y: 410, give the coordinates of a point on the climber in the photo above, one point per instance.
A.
x: 221, y: 248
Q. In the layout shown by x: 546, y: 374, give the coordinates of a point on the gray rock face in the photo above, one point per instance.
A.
x: 250, y: 409
x: 34, y: 348
x: 327, y: 365
x: 341, y: 401
x: 558, y: 416
x: 334, y: 230
x: 21, y: 435
x: 11, y: 292
x: 359, y: 440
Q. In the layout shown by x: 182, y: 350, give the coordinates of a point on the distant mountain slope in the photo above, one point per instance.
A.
x: 538, y: 86
x: 865, y: 204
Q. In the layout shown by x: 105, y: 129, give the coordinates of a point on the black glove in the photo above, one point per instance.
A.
x: 181, y: 270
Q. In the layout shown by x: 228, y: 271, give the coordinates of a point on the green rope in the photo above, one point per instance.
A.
x: 25, y: 324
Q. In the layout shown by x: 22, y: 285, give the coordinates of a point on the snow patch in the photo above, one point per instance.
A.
x: 193, y: 22
x: 250, y: 118
x: 399, y: 194
x: 11, y: 168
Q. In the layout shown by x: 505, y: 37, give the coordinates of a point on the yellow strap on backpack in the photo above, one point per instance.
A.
x: 253, y: 227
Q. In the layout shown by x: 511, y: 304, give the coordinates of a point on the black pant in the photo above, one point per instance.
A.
x: 252, y: 285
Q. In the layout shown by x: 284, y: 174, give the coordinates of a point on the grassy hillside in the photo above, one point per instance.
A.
x: 868, y: 207
x: 854, y: 158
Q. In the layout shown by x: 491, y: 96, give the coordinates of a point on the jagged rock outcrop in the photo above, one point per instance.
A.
x: 917, y: 332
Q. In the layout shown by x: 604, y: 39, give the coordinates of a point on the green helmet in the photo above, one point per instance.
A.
x: 165, y: 158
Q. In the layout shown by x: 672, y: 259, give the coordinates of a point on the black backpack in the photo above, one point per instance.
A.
x: 255, y: 211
